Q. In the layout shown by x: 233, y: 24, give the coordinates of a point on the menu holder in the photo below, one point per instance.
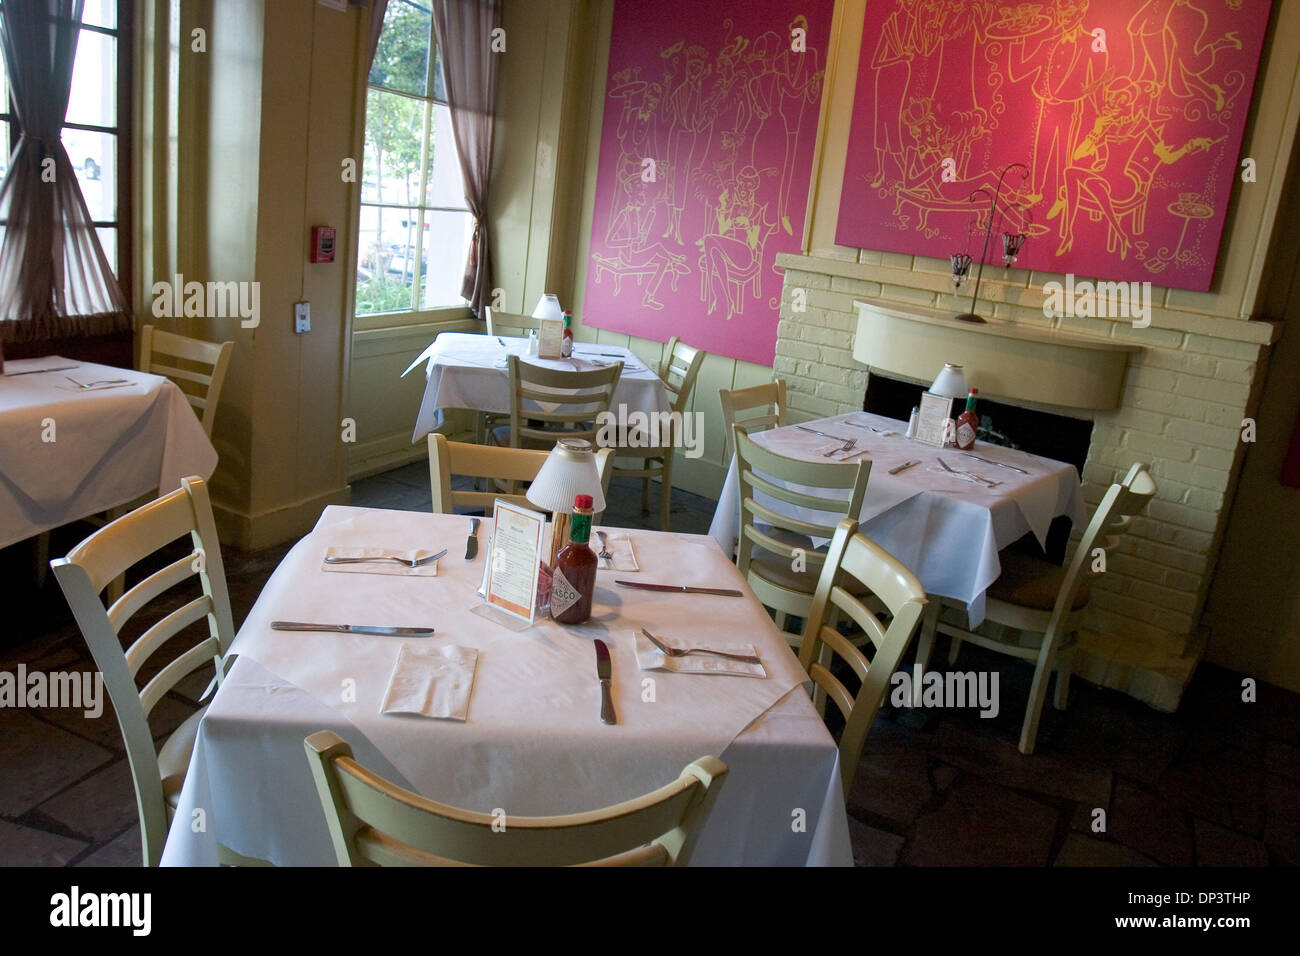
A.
x: 550, y: 339
x: 931, y: 419
x: 510, y: 591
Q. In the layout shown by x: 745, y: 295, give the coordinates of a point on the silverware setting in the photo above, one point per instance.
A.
x: 969, y: 476
x: 100, y: 383
x: 603, y: 674
x: 405, y: 562
x: 849, y: 444
x: 604, y: 553
x: 805, y: 428
x: 870, y: 428
x: 353, y: 629
x: 39, y: 371
x: 1000, y: 464
x: 471, y: 543
x: 904, y: 466
x: 684, y: 651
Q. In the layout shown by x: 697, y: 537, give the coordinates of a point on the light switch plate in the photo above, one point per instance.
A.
x: 301, y: 317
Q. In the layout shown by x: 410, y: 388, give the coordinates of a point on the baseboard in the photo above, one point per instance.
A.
x: 252, y: 532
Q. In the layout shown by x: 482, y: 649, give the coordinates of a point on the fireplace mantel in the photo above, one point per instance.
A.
x: 1004, y: 360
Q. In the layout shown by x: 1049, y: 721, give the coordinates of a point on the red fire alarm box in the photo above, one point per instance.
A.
x: 322, y: 243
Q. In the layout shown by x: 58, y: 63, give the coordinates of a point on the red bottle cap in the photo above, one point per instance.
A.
x: 974, y: 391
x: 583, y: 501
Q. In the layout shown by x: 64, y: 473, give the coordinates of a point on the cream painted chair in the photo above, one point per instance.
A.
x: 854, y: 563
x: 773, y: 573
x: 739, y: 403
x: 548, y: 404
x: 1044, y: 603
x: 448, y: 458
x: 509, y: 323
x: 374, y: 823
x: 678, y: 370
x: 87, y: 570
x: 159, y: 352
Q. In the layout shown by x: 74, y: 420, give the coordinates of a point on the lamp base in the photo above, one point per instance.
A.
x: 559, y: 533
x: 971, y: 317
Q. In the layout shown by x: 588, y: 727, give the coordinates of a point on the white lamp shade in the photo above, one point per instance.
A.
x: 548, y: 307
x: 570, y: 470
x: 950, y: 383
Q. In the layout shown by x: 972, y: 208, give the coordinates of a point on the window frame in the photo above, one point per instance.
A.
x: 416, y: 314
x: 123, y: 35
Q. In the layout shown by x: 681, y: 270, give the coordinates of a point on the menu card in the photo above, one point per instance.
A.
x: 516, y: 554
x: 550, y: 340
x: 932, y: 418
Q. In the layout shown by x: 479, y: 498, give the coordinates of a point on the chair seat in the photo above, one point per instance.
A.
x: 174, y: 757
x: 1033, y: 582
x: 777, y: 569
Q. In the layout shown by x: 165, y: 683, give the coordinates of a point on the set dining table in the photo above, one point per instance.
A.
x: 527, y: 737
x: 471, y: 371
x: 947, y: 527
x: 78, y: 438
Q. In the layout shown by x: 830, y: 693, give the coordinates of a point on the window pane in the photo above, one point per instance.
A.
x: 100, y: 13
x: 394, y: 132
x: 93, y: 98
x: 385, y: 260
x: 108, y: 239
x: 402, y: 57
x: 445, y: 187
x: 4, y: 150
x: 94, y: 155
x: 439, y: 88
x: 446, y: 242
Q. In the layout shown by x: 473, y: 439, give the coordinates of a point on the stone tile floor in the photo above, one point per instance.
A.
x: 1216, y: 784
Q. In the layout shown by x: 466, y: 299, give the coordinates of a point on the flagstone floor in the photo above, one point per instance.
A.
x: 1114, y: 783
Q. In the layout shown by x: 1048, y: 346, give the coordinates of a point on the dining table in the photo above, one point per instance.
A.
x: 528, y: 738
x: 947, y: 527
x: 471, y: 371
x: 78, y: 438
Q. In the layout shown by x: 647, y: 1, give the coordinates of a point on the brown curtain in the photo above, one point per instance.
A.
x: 463, y: 30
x: 54, y: 277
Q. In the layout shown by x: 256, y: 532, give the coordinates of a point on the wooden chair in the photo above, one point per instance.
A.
x: 772, y: 573
x: 1044, y: 603
x: 374, y: 823
x: 158, y: 352
x: 853, y: 563
x: 736, y: 402
x: 679, y: 369
x: 447, y: 458
x: 547, y: 404
x: 87, y: 570
x: 509, y: 323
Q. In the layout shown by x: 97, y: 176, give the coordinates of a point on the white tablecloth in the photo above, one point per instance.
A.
x: 533, y: 742
x: 948, y: 531
x: 111, y: 445
x: 466, y: 370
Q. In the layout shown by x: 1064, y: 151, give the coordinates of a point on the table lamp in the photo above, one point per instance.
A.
x: 950, y: 383
x: 548, y: 307
x: 569, y: 470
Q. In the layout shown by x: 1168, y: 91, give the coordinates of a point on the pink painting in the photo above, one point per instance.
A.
x: 710, y: 120
x: 1128, y: 114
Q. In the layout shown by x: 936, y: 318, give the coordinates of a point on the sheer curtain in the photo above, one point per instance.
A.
x: 54, y: 277
x: 463, y: 30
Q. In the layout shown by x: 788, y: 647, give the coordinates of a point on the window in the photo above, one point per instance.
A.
x: 415, y: 228
x: 98, y: 110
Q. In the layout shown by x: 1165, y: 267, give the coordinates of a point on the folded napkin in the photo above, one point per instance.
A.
x: 650, y: 658
x: 431, y: 682
x: 832, y: 452
x: 429, y: 570
x: 620, y: 546
x: 93, y: 386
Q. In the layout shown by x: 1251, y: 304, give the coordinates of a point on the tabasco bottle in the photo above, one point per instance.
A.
x: 566, y: 347
x: 968, y: 423
x: 575, y: 569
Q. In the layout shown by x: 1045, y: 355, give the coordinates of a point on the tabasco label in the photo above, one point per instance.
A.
x: 563, y: 594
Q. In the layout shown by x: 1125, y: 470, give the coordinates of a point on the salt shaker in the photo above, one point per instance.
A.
x: 911, y: 423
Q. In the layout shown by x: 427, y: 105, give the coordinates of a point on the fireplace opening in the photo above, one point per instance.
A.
x: 1060, y: 437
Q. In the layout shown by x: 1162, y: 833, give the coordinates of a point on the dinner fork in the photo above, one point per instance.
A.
x: 604, y: 552
x: 105, y: 381
x: 848, y: 446
x: 406, y: 562
x: 683, y: 651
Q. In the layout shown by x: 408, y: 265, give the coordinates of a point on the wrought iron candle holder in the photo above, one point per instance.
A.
x: 1011, y: 243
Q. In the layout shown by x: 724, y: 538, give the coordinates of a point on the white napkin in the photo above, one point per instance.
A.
x: 836, y: 452
x: 429, y: 570
x: 93, y: 385
x: 650, y: 658
x: 431, y: 682
x: 620, y: 546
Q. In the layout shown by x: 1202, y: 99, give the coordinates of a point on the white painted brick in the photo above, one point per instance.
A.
x: 1246, y: 351
x: 1233, y: 370
x: 1193, y: 363
x: 1136, y: 419
x: 817, y: 406
x: 1097, y: 328
x: 838, y: 393
x: 1204, y: 500
x: 831, y: 337
x: 1216, y: 458
x: 1209, y: 479
x: 859, y: 288
x: 1144, y: 447
x: 1163, y: 597
x: 1225, y: 393
x: 1175, y: 558
x: 902, y: 293
x: 1203, y: 434
x: 798, y: 278
x: 832, y: 301
x: 1183, y: 517
x: 896, y: 260
x: 1156, y: 379
x: 792, y: 348
x: 1150, y: 337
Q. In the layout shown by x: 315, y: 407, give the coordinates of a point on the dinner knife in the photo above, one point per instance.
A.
x: 353, y: 629
x: 471, y: 543
x: 1000, y: 464
x: 603, y: 672
x: 679, y: 588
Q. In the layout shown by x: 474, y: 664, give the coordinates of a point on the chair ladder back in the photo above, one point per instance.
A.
x: 579, y: 397
x: 497, y: 319
x: 679, y: 370
x: 769, y: 398
x: 215, y: 356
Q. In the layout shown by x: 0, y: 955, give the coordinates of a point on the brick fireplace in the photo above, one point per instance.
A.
x: 1179, y: 406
